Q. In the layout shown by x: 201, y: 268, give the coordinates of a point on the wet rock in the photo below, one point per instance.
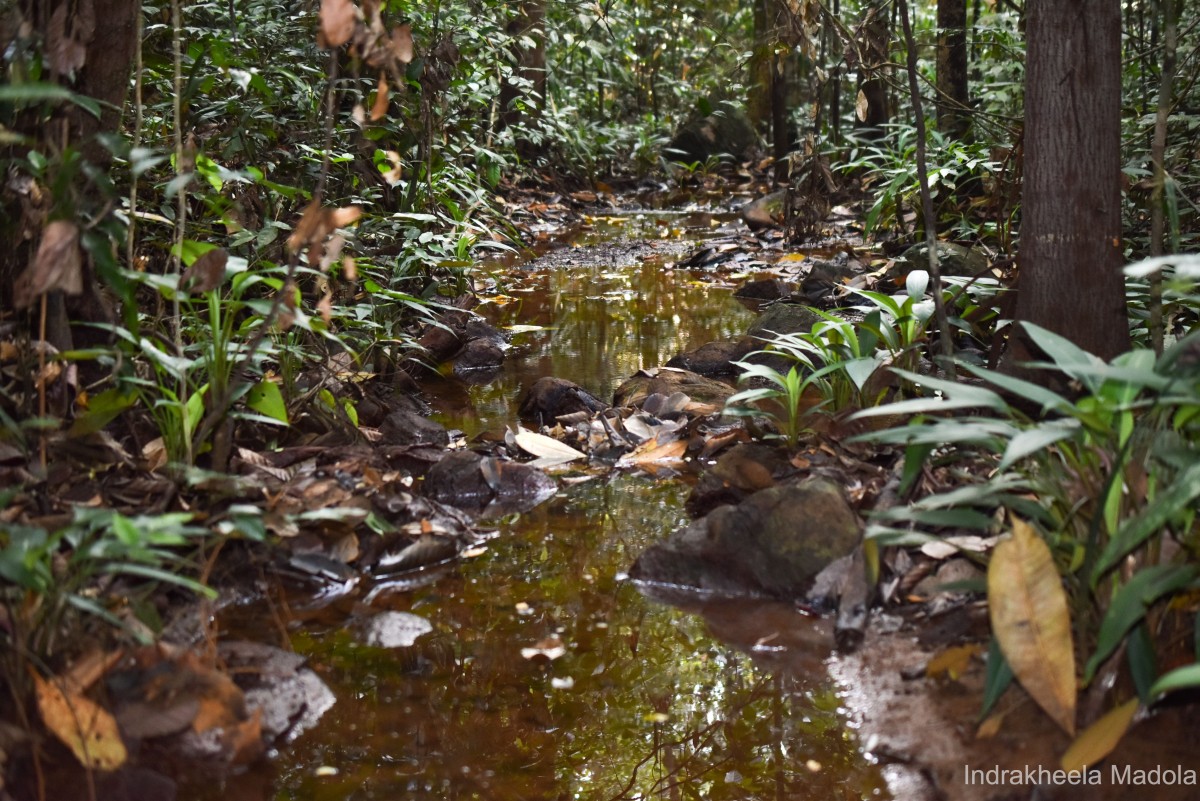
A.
x: 726, y: 132
x: 783, y: 318
x: 953, y: 259
x: 486, y: 485
x: 292, y: 698
x: 765, y: 212
x: 772, y: 544
x: 714, y: 359
x: 825, y: 277
x: 668, y: 381
x: 394, y: 629
x: 549, y: 398
x: 480, y: 354
x: 740, y: 472
x: 764, y: 289
x: 407, y: 429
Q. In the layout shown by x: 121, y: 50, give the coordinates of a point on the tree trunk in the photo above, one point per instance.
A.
x: 874, y: 38
x: 953, y: 101
x: 522, y: 97
x: 1070, y: 249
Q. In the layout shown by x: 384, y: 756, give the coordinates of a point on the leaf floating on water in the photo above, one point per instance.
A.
x: 1099, y: 739
x: 550, y: 451
x: 953, y: 662
x: 89, y: 731
x: 550, y: 648
x: 651, y: 453
x: 1030, y: 620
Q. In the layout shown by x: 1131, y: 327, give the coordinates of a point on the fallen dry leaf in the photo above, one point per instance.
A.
x: 88, y: 730
x: 1031, y: 621
x: 57, y: 265
x: 382, y: 94
x: 402, y: 43
x: 207, y: 272
x: 338, y: 18
x: 1099, y: 739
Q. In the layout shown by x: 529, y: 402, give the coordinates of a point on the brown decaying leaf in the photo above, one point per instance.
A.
x: 1098, y: 740
x: 325, y: 307
x: 393, y: 175
x: 382, y: 94
x: 67, y: 35
x: 89, y: 731
x: 207, y: 272
x: 337, y: 22
x: 1031, y: 621
x: 56, y: 265
x: 316, y: 223
x: 402, y: 43
x: 287, y: 307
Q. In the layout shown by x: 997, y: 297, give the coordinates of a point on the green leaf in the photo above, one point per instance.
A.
x: 916, y: 283
x: 997, y: 677
x: 1068, y: 356
x: 102, y: 409
x: 267, y: 399
x: 1153, y: 519
x: 1143, y: 664
x: 1179, y: 679
x: 40, y: 92
x: 1129, y: 606
x: 1035, y: 439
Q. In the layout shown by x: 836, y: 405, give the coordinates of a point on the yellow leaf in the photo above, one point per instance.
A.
x: 990, y: 727
x: 1097, y: 740
x: 89, y: 731
x: 1028, y: 608
x: 952, y: 662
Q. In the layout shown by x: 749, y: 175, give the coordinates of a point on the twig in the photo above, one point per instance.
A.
x: 935, y: 273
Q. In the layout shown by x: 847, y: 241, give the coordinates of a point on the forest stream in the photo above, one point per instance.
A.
x: 534, y: 669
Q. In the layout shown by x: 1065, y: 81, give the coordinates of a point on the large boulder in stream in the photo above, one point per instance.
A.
x: 714, y: 358
x: 783, y: 318
x: 725, y: 132
x: 772, y: 544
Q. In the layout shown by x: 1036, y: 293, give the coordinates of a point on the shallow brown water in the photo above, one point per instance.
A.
x: 715, y: 700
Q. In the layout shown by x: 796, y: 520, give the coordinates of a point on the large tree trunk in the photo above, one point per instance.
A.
x: 96, y: 40
x: 1070, y: 249
x: 953, y: 101
x: 874, y: 39
x: 523, y: 96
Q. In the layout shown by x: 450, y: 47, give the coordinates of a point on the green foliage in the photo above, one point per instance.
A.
x: 50, y: 575
x: 1110, y: 473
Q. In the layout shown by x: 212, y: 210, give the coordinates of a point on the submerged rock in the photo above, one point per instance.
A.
x: 486, y: 485
x: 394, y: 629
x: 764, y: 289
x: 772, y: 544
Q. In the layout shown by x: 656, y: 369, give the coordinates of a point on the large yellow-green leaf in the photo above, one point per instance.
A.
x: 1028, y: 608
x: 1099, y: 739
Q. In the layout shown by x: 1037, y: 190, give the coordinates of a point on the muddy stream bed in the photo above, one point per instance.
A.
x: 535, y: 669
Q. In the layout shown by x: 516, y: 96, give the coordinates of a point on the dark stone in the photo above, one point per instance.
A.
x: 486, y: 485
x: 773, y: 544
x: 669, y: 380
x: 783, y: 318
x: 713, y: 359
x: 549, y: 398
x: 765, y: 289
x: 726, y: 132
x: 480, y: 354
x: 405, y: 428
x: 740, y: 472
x: 953, y: 259
x: 765, y: 212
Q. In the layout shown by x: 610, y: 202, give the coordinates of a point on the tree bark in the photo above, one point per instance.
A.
x: 527, y: 86
x: 953, y: 100
x: 873, y: 44
x: 1070, y: 250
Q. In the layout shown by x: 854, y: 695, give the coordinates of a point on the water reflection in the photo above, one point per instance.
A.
x: 598, y: 326
x: 644, y: 702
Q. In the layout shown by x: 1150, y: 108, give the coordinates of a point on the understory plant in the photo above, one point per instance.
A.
x: 1102, y: 461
